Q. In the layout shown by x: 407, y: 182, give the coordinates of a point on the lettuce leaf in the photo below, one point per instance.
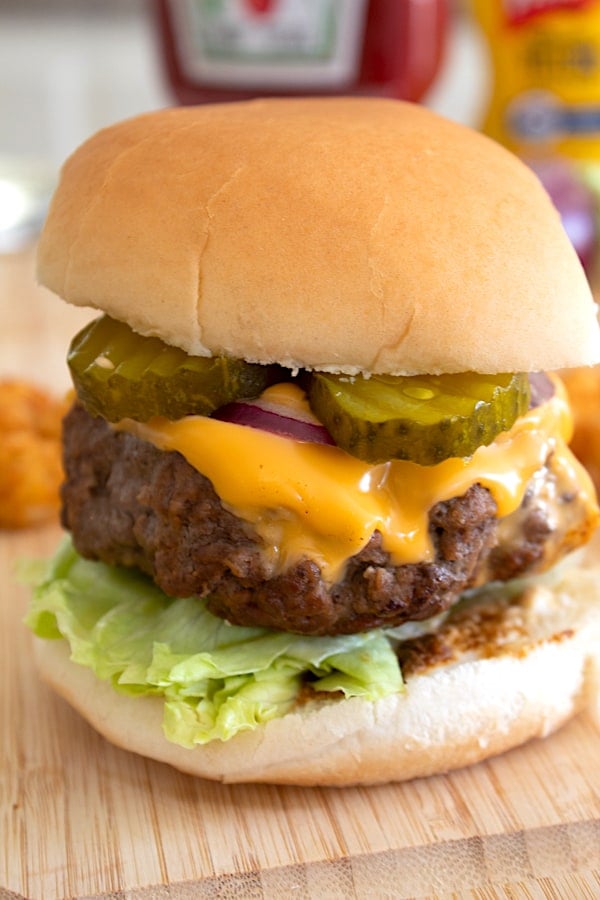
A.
x: 216, y: 679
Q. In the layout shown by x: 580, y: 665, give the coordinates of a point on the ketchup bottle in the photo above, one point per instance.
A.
x: 218, y: 50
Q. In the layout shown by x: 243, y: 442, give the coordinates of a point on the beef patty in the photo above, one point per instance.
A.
x: 128, y: 503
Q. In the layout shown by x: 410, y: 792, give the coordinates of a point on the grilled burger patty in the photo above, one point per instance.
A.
x: 128, y: 503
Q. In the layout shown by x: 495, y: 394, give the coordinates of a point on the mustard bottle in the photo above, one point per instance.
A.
x: 545, y: 56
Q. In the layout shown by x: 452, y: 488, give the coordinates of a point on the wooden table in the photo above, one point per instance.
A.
x: 80, y: 818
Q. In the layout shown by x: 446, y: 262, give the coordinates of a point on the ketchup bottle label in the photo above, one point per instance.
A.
x: 266, y: 43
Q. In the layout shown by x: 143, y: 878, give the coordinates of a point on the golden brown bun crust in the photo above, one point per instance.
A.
x: 350, y: 234
x: 545, y: 668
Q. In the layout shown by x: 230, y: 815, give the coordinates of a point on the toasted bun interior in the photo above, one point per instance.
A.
x: 543, y: 668
x: 342, y: 234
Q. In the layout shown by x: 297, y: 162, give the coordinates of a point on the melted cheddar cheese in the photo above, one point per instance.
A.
x: 317, y: 501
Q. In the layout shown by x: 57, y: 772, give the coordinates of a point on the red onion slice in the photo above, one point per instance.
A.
x: 542, y: 389
x: 267, y: 417
x: 255, y: 416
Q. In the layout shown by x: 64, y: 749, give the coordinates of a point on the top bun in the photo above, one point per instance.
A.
x: 341, y: 234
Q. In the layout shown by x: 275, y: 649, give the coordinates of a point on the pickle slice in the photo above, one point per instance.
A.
x: 425, y: 419
x: 120, y: 374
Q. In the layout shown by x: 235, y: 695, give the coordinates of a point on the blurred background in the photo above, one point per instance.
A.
x: 67, y: 67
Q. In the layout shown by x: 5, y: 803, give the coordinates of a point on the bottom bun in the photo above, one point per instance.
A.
x: 494, y: 676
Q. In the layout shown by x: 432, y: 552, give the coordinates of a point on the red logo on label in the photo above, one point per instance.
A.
x: 260, y: 7
x: 518, y: 12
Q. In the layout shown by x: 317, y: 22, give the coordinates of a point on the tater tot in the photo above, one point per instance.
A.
x: 30, y: 454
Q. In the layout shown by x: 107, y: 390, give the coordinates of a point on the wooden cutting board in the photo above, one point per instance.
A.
x: 80, y: 818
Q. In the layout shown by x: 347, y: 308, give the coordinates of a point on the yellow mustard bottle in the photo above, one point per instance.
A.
x: 545, y: 56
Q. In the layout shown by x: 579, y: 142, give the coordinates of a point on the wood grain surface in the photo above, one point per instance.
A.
x: 80, y: 818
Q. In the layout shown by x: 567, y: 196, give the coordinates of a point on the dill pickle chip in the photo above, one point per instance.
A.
x: 425, y: 419
x: 120, y: 374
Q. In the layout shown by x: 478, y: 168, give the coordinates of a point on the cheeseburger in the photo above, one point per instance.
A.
x: 317, y: 491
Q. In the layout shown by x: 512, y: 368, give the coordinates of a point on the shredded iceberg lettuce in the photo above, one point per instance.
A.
x: 216, y: 679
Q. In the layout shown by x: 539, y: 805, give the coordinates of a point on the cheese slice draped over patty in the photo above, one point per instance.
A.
x: 309, y: 500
